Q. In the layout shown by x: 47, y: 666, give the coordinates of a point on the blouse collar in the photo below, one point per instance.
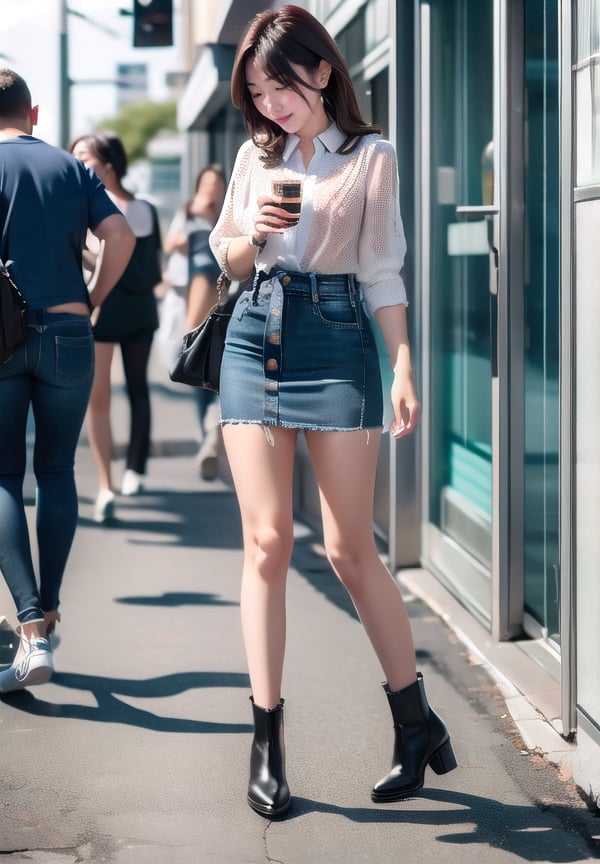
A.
x: 332, y: 139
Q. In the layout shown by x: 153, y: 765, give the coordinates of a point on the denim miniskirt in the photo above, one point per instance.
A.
x: 300, y: 353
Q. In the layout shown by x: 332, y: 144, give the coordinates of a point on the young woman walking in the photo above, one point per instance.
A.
x: 301, y: 357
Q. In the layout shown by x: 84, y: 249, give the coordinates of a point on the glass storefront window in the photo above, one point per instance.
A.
x: 371, y: 90
x: 587, y: 86
x: 377, y: 23
x: 587, y: 356
x: 460, y: 405
x: 542, y: 308
x: 468, y: 342
x: 364, y: 32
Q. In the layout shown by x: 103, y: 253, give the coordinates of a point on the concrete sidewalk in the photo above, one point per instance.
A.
x: 136, y: 752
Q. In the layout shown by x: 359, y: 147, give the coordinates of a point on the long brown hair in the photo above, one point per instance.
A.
x: 276, y: 39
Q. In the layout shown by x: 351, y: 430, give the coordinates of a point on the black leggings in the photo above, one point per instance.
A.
x: 135, y: 366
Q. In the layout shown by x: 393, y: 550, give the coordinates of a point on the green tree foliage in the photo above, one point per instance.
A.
x: 138, y: 122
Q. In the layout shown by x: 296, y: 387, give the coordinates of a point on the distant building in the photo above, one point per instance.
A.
x: 132, y: 83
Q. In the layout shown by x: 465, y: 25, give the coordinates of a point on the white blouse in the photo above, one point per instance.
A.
x: 350, y: 219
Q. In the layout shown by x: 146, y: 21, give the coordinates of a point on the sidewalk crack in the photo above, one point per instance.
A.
x: 267, y: 856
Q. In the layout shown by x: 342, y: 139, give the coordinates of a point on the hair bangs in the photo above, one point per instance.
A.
x: 278, y: 53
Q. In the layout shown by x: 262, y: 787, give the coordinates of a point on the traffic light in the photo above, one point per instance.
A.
x: 152, y: 23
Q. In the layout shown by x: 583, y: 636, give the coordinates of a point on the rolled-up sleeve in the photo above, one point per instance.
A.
x: 382, y: 243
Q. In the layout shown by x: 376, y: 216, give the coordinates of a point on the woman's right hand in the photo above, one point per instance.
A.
x: 242, y: 251
x: 270, y: 219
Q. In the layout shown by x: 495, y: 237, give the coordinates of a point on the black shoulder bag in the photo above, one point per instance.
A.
x: 13, y: 324
x: 201, y: 352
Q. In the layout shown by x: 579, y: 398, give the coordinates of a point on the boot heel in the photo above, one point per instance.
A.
x: 443, y: 760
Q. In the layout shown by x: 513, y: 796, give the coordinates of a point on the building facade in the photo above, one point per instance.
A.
x: 494, y: 109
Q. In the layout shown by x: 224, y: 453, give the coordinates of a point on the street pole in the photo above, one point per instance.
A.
x: 65, y: 83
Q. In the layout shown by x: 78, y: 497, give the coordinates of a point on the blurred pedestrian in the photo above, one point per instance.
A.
x: 187, y: 244
x: 301, y: 356
x: 127, y: 318
x: 48, y: 201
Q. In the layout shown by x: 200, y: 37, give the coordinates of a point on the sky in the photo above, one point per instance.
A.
x: 30, y: 44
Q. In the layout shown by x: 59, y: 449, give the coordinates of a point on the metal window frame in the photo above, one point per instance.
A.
x: 567, y: 376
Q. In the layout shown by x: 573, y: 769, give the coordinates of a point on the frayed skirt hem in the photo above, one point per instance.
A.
x: 302, y: 427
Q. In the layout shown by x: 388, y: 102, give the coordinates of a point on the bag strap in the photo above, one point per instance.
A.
x: 223, y: 285
x: 5, y: 272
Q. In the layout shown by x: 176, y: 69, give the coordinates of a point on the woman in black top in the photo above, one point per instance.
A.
x: 128, y: 318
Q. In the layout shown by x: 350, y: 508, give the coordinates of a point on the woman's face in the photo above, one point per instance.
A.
x: 82, y: 151
x: 210, y: 191
x: 300, y: 113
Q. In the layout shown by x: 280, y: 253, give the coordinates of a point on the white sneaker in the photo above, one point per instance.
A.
x: 33, y: 664
x: 132, y: 483
x: 104, y: 508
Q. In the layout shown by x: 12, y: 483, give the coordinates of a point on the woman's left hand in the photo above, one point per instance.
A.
x: 406, y: 405
x: 393, y: 326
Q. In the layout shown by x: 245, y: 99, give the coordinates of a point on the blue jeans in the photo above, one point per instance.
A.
x: 203, y: 398
x: 51, y: 373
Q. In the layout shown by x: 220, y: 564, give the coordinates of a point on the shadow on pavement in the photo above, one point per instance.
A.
x: 526, y: 831
x: 111, y: 709
x: 176, y: 598
x: 195, y: 520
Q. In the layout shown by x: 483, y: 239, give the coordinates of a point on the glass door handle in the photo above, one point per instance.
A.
x: 480, y: 212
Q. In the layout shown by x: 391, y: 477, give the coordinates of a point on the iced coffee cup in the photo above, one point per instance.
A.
x: 291, y: 192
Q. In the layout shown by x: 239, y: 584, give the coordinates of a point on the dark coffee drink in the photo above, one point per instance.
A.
x: 291, y: 192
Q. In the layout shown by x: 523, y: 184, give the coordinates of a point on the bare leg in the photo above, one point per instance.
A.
x: 345, y: 465
x: 262, y: 475
x: 98, y: 417
x: 201, y: 297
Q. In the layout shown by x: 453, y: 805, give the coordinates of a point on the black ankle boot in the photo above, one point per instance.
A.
x: 421, y: 739
x: 268, y: 791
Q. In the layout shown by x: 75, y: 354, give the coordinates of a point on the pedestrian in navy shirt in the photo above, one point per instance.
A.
x: 48, y: 201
